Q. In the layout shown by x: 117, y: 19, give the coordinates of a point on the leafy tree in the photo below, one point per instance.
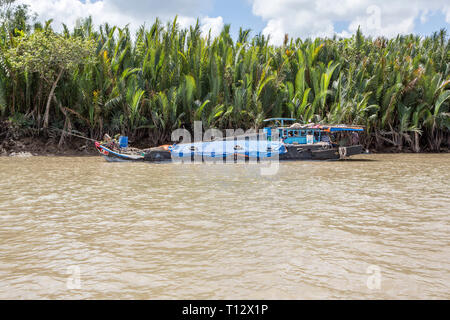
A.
x: 49, y: 55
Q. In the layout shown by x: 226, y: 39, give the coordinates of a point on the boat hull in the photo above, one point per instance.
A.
x: 294, y: 152
x: 113, y: 156
x: 158, y: 155
x: 120, y: 159
x: 319, y: 152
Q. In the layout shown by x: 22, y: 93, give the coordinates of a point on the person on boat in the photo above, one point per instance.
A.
x: 325, y: 138
x: 316, y: 136
x: 110, y: 142
x: 344, y: 140
x: 106, y: 138
x: 355, y: 138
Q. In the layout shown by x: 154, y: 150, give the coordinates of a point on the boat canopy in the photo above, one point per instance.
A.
x: 341, y: 128
x: 218, y: 149
x: 322, y: 127
x: 282, y: 120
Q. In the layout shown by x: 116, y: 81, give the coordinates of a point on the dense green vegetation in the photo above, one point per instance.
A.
x: 98, y: 80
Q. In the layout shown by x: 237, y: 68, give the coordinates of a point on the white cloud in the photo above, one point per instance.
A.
x: 447, y: 13
x: 424, y: 16
x: 120, y: 13
x: 215, y: 25
x: 298, y: 18
x: 306, y: 18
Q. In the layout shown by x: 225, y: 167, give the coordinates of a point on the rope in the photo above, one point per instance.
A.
x: 76, y: 135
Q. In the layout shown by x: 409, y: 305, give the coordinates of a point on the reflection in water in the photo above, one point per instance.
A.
x: 151, y: 231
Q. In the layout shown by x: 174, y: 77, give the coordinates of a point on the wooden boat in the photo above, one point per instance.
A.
x: 117, y: 154
x: 276, y: 142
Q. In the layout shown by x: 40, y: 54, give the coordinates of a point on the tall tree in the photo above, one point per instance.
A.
x: 49, y: 55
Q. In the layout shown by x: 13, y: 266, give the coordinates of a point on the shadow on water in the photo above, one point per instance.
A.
x: 359, y: 160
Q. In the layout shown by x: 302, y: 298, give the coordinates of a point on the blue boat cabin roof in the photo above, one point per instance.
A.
x: 282, y: 120
x: 326, y: 128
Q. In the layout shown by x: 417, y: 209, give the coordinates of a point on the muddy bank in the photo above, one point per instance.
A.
x: 39, y: 146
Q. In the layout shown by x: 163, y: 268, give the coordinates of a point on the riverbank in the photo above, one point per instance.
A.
x: 72, y: 146
x: 39, y: 146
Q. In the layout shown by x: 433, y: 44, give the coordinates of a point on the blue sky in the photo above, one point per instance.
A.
x: 435, y: 22
x: 239, y: 13
x: 298, y: 18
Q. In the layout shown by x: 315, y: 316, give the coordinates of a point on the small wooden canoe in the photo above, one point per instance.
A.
x: 114, y: 156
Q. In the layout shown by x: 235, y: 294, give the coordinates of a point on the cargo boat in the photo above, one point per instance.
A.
x: 275, y: 142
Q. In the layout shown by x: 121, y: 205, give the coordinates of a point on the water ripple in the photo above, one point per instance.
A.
x: 152, y: 231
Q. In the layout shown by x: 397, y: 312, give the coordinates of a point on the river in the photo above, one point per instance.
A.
x: 376, y: 227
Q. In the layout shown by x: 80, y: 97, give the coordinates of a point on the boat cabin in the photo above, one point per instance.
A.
x: 295, y: 134
x: 304, y: 134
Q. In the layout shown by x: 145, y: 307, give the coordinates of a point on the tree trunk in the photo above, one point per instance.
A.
x: 377, y: 140
x: 67, y: 123
x: 416, y: 142
x: 13, y: 111
x: 61, y: 140
x: 49, y: 100
x: 13, y: 98
x: 36, y: 113
x: 438, y: 140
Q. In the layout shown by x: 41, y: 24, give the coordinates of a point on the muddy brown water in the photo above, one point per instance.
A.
x: 373, y: 227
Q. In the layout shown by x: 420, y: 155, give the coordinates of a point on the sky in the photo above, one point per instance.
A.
x: 297, y: 18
